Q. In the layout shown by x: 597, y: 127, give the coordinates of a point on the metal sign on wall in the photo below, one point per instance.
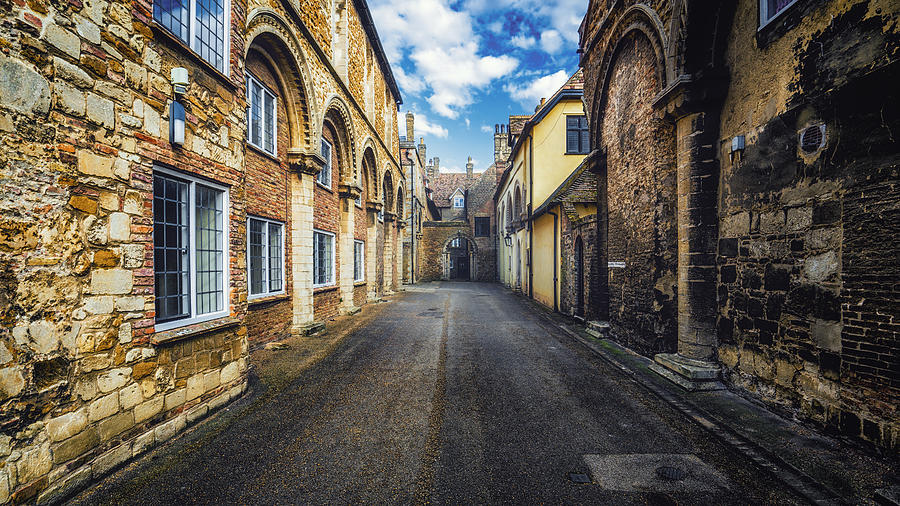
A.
x: 615, y: 265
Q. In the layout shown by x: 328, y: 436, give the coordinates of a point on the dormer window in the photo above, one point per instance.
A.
x: 459, y: 201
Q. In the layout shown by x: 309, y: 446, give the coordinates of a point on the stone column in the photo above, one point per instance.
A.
x: 690, y: 104
x: 372, y: 209
x: 348, y: 194
x: 306, y: 166
x: 388, y: 261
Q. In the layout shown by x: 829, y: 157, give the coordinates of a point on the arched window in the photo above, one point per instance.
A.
x: 518, y: 210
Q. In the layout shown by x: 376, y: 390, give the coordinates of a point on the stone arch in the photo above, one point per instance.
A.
x: 645, y: 21
x: 367, y: 170
x: 387, y: 185
x: 338, y: 114
x: 268, y: 34
x: 369, y: 173
x: 399, y: 203
x: 698, y: 37
x: 509, y: 209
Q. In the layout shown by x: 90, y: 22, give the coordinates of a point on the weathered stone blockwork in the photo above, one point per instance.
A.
x: 786, y: 266
x: 89, y: 377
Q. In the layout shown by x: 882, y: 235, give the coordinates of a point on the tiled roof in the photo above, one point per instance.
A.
x: 446, y: 183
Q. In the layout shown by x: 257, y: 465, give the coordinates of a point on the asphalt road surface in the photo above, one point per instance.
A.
x: 455, y: 393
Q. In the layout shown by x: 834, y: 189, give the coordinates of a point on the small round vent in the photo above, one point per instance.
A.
x: 812, y: 138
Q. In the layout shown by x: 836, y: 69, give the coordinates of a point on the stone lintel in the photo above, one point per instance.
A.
x: 305, y: 163
x: 687, y: 373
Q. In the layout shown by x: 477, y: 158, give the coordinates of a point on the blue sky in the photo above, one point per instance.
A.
x: 463, y: 66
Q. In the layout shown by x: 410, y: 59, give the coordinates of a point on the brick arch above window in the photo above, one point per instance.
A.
x: 338, y: 115
x: 269, y: 37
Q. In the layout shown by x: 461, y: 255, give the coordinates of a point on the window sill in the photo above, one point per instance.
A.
x: 323, y: 289
x: 193, y: 330
x: 783, y: 22
x: 268, y: 299
x: 359, y: 283
x: 576, y: 153
x: 326, y: 188
x: 262, y: 152
x: 161, y: 31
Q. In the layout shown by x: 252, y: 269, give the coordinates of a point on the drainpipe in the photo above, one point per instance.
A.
x: 530, y: 207
x: 555, y: 259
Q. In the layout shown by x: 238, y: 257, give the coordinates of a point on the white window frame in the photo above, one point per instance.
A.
x: 328, y: 166
x: 361, y: 245
x: 192, y: 34
x: 251, y: 80
x: 266, y: 244
x: 332, y: 281
x: 192, y: 252
x: 459, y: 202
x: 765, y: 18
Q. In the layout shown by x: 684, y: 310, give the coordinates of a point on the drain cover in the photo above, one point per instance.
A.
x: 670, y: 473
x: 579, y: 478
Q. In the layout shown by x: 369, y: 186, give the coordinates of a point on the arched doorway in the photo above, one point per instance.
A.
x: 579, y: 277
x: 458, y: 258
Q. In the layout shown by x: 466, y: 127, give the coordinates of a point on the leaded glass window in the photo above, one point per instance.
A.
x: 359, y: 255
x: 205, y: 31
x: 190, y: 249
x: 324, y: 177
x: 323, y: 258
x: 265, y: 256
x: 262, y: 128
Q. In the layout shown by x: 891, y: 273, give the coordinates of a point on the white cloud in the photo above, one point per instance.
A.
x: 551, y: 41
x: 487, y: 129
x: 424, y: 127
x: 468, y: 123
x: 523, y: 42
x: 441, y: 49
x: 531, y: 93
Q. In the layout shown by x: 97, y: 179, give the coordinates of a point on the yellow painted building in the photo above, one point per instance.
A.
x: 547, y: 149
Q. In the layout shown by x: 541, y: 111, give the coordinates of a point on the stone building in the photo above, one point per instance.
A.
x: 545, y: 204
x: 459, y: 243
x: 148, y: 237
x: 746, y: 159
x: 417, y: 211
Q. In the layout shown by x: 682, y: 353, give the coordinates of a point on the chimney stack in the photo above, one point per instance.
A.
x: 410, y: 127
x: 470, y: 167
x: 501, y: 147
x: 421, y: 149
x: 437, y: 167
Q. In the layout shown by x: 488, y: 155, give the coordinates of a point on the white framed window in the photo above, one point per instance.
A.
x: 190, y: 249
x: 381, y: 215
x: 324, y: 177
x: 262, y: 123
x: 459, y: 201
x: 323, y: 258
x: 265, y: 257
x: 770, y: 9
x: 203, y: 25
x: 359, y: 261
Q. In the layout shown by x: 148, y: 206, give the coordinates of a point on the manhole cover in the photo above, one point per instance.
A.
x: 670, y: 473
x: 579, y: 478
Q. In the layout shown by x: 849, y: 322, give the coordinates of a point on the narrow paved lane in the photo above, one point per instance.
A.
x: 455, y: 393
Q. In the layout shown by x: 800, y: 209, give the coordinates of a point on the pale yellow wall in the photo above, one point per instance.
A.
x: 544, y: 260
x: 508, y: 258
x: 551, y: 163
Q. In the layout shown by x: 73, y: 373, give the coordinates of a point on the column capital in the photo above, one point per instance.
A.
x: 389, y: 216
x: 349, y: 191
x: 692, y: 93
x: 303, y: 162
x: 374, y: 207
